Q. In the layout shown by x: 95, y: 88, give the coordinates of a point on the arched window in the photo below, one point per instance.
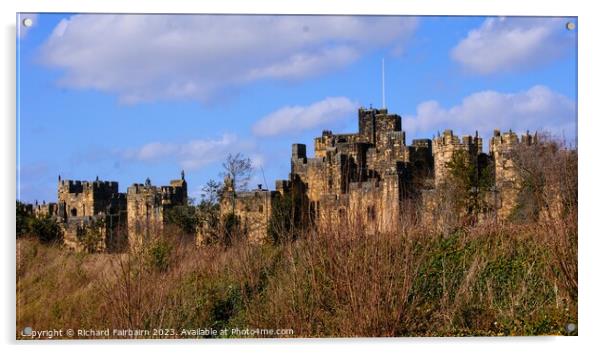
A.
x: 74, y: 212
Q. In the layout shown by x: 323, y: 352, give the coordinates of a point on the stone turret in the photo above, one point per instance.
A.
x: 444, y: 148
x: 507, y: 177
x: 146, y: 207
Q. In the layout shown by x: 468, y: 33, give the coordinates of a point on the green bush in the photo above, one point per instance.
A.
x: 184, y: 217
x: 470, y: 178
x: 23, y: 219
x: 159, y: 255
x: 46, y: 229
x: 91, y: 236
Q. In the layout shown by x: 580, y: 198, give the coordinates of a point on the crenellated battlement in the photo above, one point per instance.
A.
x: 509, y: 139
x: 79, y: 186
x: 466, y: 142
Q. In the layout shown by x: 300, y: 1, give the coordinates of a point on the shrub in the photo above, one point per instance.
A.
x: 159, y: 255
x: 91, y: 236
x: 469, y: 179
x: 23, y: 219
x: 46, y: 229
x: 280, y: 225
x: 184, y: 217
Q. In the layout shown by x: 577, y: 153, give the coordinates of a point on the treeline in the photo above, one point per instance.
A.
x: 45, y: 229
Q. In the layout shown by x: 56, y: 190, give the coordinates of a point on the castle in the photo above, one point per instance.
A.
x: 96, y: 217
x: 366, y: 176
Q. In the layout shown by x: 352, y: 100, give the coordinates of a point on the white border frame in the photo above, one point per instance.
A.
x: 588, y: 131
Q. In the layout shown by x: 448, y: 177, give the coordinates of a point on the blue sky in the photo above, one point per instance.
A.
x: 125, y: 97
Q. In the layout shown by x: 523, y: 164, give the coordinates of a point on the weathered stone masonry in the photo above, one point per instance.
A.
x: 365, y: 176
x: 120, y: 220
x: 361, y: 177
x: 146, y: 206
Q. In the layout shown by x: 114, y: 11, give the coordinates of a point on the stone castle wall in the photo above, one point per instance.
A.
x: 146, y: 207
x: 361, y: 178
x: 45, y: 209
x: 145, y: 214
x: 95, y: 217
x: 364, y: 177
x: 253, y: 208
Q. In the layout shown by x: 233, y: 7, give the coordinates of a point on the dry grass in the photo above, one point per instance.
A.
x: 489, y: 279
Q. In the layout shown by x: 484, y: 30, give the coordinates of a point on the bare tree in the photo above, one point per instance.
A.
x: 211, y: 193
x: 238, y: 169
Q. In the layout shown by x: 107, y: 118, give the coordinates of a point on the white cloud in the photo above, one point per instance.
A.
x: 190, y: 155
x: 513, y: 44
x: 298, y: 118
x: 536, y: 109
x: 149, y: 57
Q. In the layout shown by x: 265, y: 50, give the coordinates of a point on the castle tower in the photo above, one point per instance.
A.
x: 299, y: 152
x: 84, y: 198
x: 177, y: 191
x: 85, y: 206
x: 146, y: 206
x: 374, y: 124
x: 444, y: 148
x: 507, y: 178
x: 145, y: 214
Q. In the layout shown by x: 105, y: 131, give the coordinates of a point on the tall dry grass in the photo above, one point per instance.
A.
x: 490, y: 279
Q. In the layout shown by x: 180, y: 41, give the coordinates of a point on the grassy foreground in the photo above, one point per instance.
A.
x: 486, y: 279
